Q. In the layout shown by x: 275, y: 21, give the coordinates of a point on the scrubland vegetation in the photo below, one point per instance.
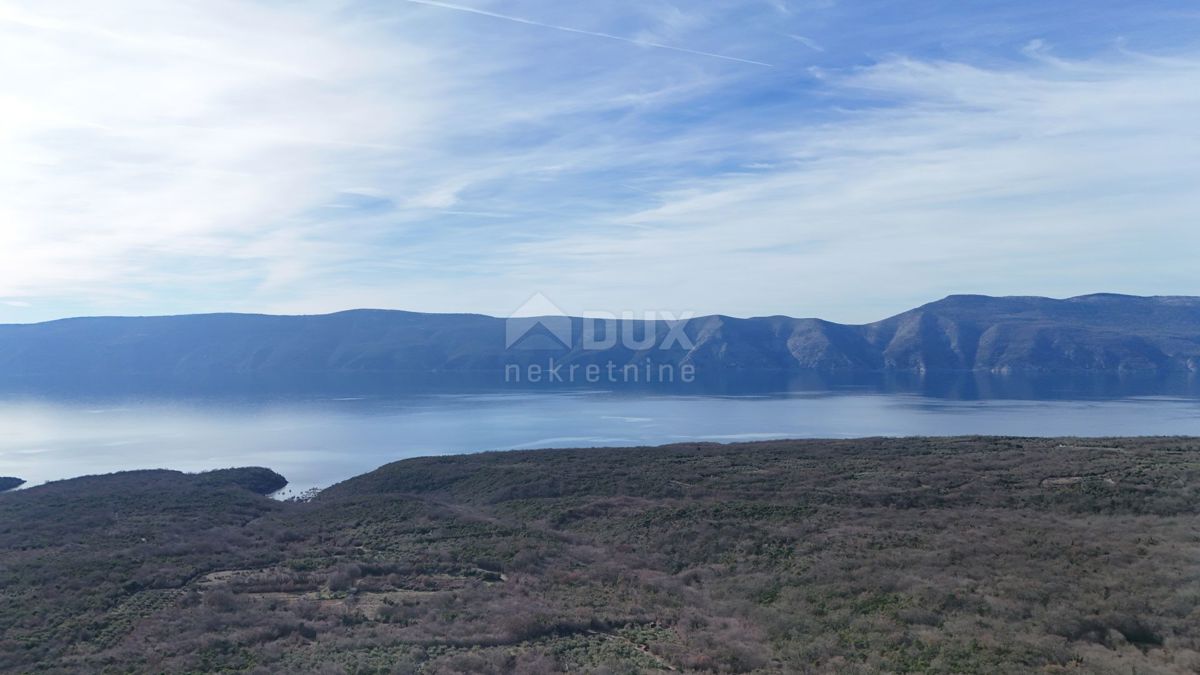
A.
x: 987, y: 555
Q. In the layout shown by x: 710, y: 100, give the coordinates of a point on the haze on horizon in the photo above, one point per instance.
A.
x: 829, y: 158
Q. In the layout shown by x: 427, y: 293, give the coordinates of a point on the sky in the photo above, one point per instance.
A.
x: 834, y: 158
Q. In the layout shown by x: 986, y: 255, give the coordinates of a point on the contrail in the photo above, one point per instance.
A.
x: 579, y: 31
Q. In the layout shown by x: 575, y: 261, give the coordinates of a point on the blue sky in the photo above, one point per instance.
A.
x: 805, y: 157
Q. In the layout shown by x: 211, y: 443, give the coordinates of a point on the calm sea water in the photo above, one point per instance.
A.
x: 319, y: 440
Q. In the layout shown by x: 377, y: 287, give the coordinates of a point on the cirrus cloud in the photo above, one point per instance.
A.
x: 185, y: 156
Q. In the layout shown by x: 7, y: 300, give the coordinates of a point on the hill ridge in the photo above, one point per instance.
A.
x: 1098, y: 333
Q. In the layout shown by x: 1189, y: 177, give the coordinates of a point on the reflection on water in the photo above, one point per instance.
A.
x: 350, y: 428
x: 953, y: 386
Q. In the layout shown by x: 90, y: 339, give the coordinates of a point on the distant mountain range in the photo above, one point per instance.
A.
x: 962, y: 333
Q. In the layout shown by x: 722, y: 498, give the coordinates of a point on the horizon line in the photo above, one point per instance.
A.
x: 573, y: 316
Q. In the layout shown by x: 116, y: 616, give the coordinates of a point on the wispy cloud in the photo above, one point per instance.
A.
x: 1053, y: 178
x: 579, y: 31
x: 808, y: 42
x: 180, y: 157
